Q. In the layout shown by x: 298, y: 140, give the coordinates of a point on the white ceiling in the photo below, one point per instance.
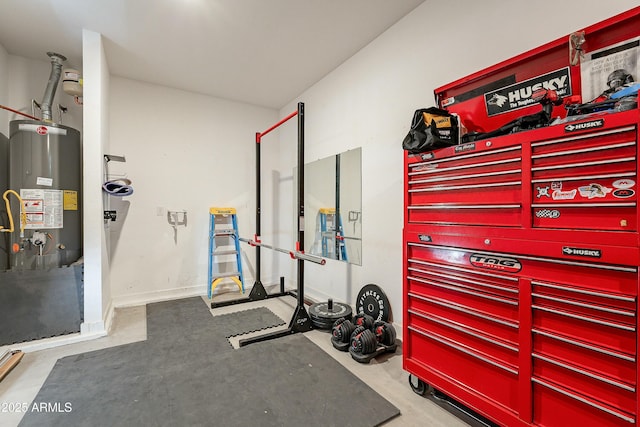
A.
x: 262, y: 52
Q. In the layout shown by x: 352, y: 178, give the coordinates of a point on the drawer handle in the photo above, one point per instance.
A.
x: 460, y: 347
x: 463, y: 289
x: 586, y: 319
x: 463, y: 328
x: 463, y: 270
x: 585, y: 305
x: 471, y: 175
x: 467, y: 166
x: 451, y: 206
x: 585, y: 373
x: 585, y: 291
x: 584, y: 345
x: 463, y: 279
x: 585, y: 401
x: 464, y: 187
x: 465, y: 310
x: 584, y: 205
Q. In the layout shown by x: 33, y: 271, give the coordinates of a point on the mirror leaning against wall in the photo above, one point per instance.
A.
x: 333, y: 207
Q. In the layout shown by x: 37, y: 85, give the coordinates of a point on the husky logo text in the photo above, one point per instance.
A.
x: 519, y: 95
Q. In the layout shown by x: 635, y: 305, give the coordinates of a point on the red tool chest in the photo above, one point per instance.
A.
x: 521, y: 252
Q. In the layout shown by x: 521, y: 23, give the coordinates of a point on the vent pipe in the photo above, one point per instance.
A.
x: 52, y: 85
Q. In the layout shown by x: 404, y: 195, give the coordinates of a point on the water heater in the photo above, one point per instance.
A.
x: 45, y: 169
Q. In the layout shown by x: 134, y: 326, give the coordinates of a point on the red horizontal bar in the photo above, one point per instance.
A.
x: 260, y: 135
x: 19, y: 112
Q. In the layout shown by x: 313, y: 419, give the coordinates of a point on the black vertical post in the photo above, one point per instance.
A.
x: 336, y: 219
x: 258, y: 201
x: 300, y: 202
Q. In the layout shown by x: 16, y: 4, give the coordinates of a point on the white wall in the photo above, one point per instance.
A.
x: 4, y: 90
x: 184, y: 151
x: 97, y: 290
x: 369, y: 100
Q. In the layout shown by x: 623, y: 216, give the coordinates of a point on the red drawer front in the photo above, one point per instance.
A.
x: 482, y: 301
x: 601, y: 333
x: 557, y: 406
x: 599, y: 360
x: 582, y: 381
x: 614, y: 301
x: 505, y: 190
x: 617, y: 216
x: 466, y: 214
x: 466, y: 334
x: 611, y: 308
x: 597, y: 313
x: 504, y: 329
x: 478, y: 371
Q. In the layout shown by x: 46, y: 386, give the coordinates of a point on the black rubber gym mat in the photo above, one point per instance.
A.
x: 186, y: 373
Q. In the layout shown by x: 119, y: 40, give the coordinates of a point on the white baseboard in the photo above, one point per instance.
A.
x: 157, y: 296
x: 46, y: 343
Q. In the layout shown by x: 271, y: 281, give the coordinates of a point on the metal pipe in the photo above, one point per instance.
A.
x: 300, y: 243
x: 277, y: 124
x: 52, y: 85
x: 258, y: 201
x: 19, y: 112
x: 337, y: 231
x: 293, y: 254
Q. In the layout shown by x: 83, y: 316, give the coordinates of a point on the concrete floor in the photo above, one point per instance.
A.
x: 384, y: 374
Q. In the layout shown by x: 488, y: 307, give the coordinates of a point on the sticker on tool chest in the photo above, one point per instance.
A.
x: 465, y: 147
x: 495, y: 262
x: 585, y: 191
x: 518, y: 95
x: 591, y: 253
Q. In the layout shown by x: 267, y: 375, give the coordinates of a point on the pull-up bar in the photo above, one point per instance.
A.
x: 300, y: 321
x: 293, y: 254
x: 259, y: 135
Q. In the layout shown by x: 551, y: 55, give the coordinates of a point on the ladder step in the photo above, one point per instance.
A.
x: 228, y: 252
x: 229, y: 232
x: 230, y: 274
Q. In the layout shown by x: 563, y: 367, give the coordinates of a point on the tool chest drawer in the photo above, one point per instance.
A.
x: 586, y: 181
x: 477, y: 370
x: 483, y: 186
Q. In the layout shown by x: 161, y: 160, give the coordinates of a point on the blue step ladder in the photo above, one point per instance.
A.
x: 332, y: 234
x: 224, y: 242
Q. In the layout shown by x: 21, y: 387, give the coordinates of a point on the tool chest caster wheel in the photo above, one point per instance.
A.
x: 417, y: 385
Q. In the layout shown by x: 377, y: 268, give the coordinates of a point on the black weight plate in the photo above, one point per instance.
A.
x: 373, y: 301
x: 320, y: 314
